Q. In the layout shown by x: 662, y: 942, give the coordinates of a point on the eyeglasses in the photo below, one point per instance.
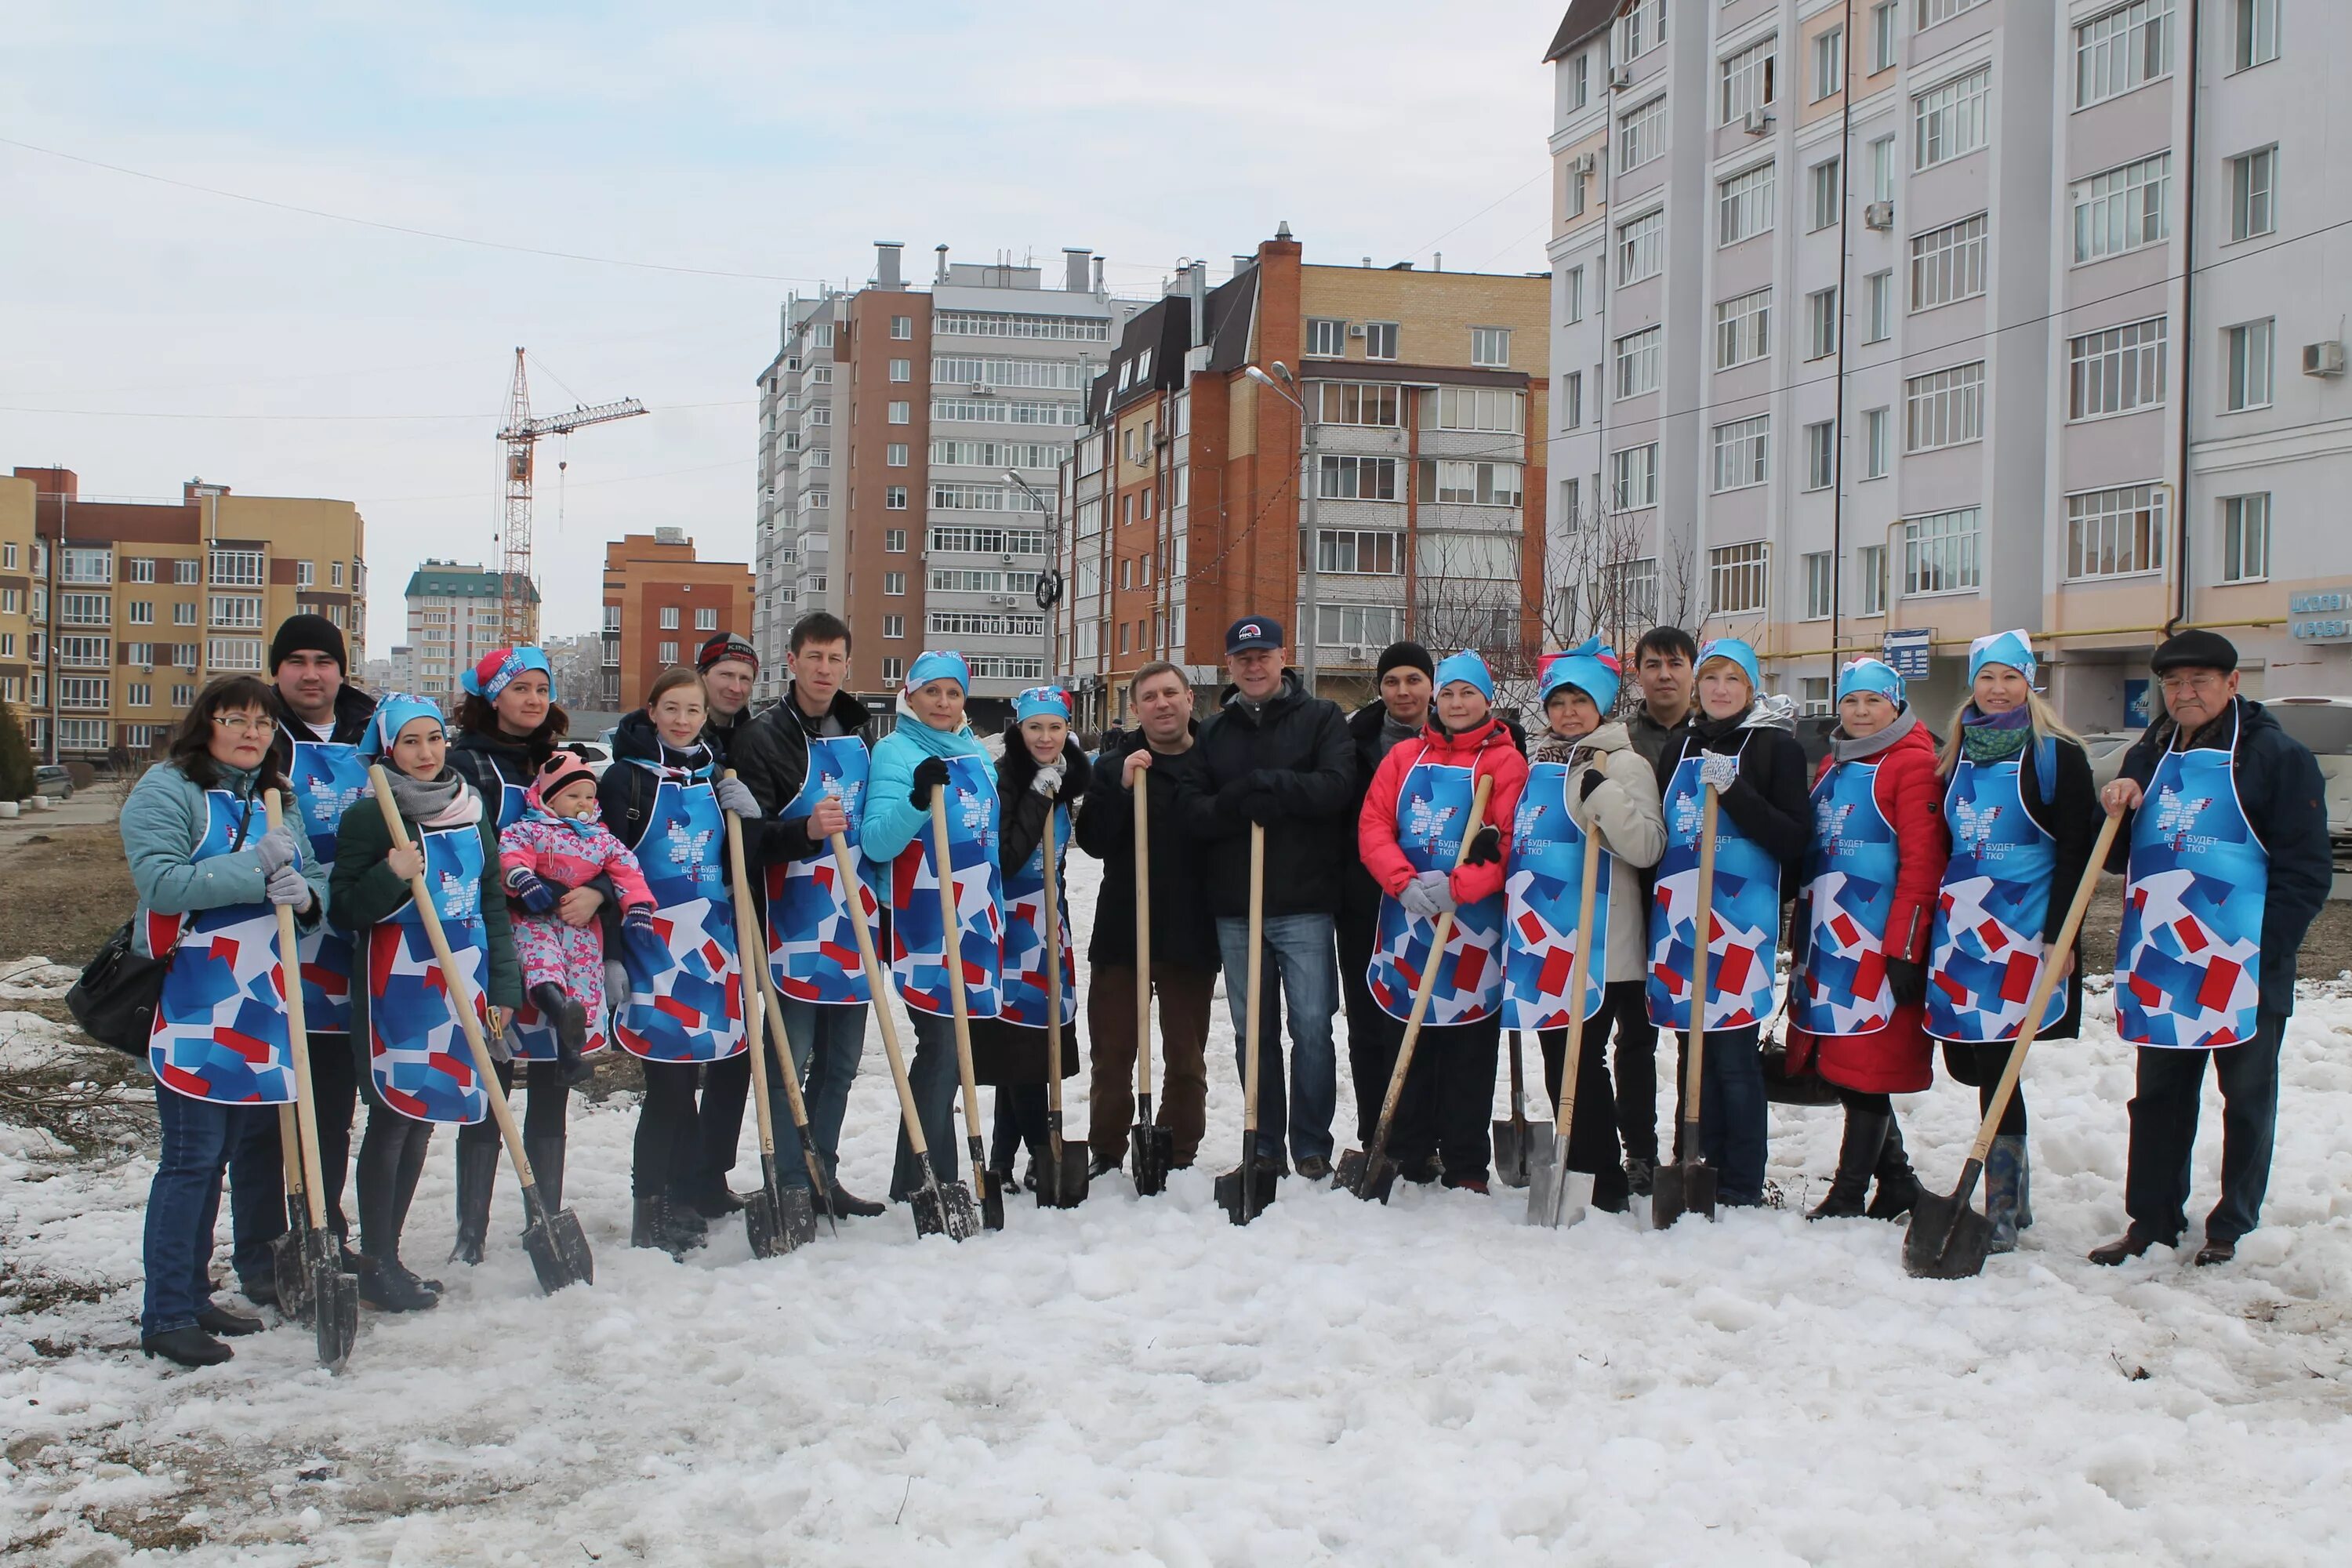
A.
x: 2193, y: 680
x: 242, y: 723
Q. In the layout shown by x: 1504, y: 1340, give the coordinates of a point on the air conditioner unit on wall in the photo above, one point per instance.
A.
x: 1756, y: 121
x: 1583, y: 163
x: 1621, y: 79
x: 1878, y: 215
x: 2323, y: 359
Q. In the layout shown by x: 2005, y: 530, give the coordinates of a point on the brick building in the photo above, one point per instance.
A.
x: 660, y: 604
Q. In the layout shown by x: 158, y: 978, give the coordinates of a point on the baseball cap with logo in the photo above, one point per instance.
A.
x: 1254, y: 631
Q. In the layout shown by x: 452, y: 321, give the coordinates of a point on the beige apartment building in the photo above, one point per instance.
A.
x: 114, y: 612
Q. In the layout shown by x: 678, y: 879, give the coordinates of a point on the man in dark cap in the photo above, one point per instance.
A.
x: 729, y: 665
x: 2226, y: 860
x: 1404, y: 672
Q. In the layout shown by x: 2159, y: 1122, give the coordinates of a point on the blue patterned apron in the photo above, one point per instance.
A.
x: 1433, y: 818
x: 2188, y: 961
x: 1547, y: 850
x: 1986, y: 946
x: 811, y: 949
x: 417, y: 1052
x: 327, y: 780
x: 1850, y: 870
x: 917, y: 943
x: 1744, y: 935
x: 1024, y: 994
x: 220, y: 1029
x: 686, y: 987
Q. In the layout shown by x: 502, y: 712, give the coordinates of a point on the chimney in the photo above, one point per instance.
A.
x: 1099, y: 290
x: 1240, y: 261
x: 1437, y: 262
x: 1200, y: 304
x: 943, y: 275
x: 1074, y: 258
x: 1368, y: 262
x: 1282, y: 229
x: 886, y: 264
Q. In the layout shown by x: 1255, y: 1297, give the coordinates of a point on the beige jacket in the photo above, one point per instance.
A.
x: 1625, y: 809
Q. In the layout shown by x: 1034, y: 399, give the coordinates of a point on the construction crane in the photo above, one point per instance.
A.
x: 519, y: 613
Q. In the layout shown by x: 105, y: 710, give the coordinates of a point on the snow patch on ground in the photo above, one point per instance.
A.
x: 1137, y: 1381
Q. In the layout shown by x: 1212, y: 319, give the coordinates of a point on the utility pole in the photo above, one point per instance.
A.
x: 1307, y: 427
x: 1049, y: 581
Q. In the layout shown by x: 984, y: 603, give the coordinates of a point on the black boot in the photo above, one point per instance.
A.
x: 386, y: 1284
x: 190, y: 1346
x: 571, y: 1021
x: 1866, y: 1135
x: 546, y: 1157
x: 412, y: 1167
x: 1898, y: 1189
x: 646, y: 1227
x: 478, y: 1171
x: 847, y: 1204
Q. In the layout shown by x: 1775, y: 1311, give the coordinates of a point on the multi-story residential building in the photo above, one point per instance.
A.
x: 1892, y: 323
x: 114, y: 612
x: 453, y: 618
x: 1421, y: 397
x: 984, y: 377
x: 400, y: 670
x: 661, y: 603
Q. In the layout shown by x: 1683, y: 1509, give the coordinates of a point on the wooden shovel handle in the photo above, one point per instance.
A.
x: 750, y: 951
x: 298, y: 1044
x: 1143, y: 938
x: 1702, y: 936
x: 1579, y: 970
x: 1250, y: 1004
x: 878, y: 983
x: 1428, y: 985
x: 1053, y: 994
x: 951, y: 935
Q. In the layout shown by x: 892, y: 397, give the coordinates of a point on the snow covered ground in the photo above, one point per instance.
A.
x: 1139, y: 1382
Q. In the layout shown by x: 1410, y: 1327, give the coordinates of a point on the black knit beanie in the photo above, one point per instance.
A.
x: 1401, y: 654
x: 309, y: 634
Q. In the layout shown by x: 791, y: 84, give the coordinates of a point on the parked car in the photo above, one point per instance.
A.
x: 2325, y: 724
x: 2106, y: 748
x: 52, y: 779
x: 599, y: 753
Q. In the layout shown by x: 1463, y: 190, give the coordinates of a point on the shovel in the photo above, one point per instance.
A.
x: 1065, y: 1186
x: 1687, y: 1187
x: 1511, y: 1135
x: 1244, y: 1193
x: 992, y: 1201
x: 334, y: 1295
x: 1152, y: 1147
x: 772, y: 1221
x: 1557, y: 1195
x: 289, y: 1248
x: 941, y: 1208
x: 555, y: 1244
x: 1369, y: 1173
x: 1948, y: 1238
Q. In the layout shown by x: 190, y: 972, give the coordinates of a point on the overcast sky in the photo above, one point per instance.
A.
x: 741, y: 154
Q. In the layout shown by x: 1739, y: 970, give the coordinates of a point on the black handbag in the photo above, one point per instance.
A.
x: 116, y: 997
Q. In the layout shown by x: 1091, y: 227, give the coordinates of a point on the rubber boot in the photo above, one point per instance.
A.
x: 571, y: 1021
x: 1898, y: 1188
x: 2004, y: 1177
x: 646, y: 1227
x: 412, y: 1168
x: 546, y: 1157
x: 477, y: 1172
x: 384, y: 1283
x: 2024, y: 1188
x: 1866, y: 1135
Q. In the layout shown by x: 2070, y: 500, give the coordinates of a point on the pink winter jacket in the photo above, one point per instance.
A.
x: 569, y: 853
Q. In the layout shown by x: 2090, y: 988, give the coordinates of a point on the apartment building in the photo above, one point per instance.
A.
x: 1414, y: 403
x: 661, y: 602
x: 1884, y: 323
x: 114, y: 612
x: 984, y: 375
x: 453, y: 618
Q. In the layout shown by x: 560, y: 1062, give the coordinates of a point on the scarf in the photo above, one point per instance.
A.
x: 1994, y: 737
x: 1711, y: 730
x: 1845, y: 748
x: 433, y: 804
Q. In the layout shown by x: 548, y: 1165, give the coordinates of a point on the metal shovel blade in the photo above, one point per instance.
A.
x: 763, y: 1224
x: 334, y: 1299
x: 1151, y: 1149
x: 1512, y: 1141
x: 1686, y: 1186
x: 289, y: 1270
x: 1244, y: 1193
x: 1356, y: 1173
x: 1065, y: 1183
x: 1557, y: 1195
x: 557, y: 1247
x: 1947, y: 1238
x: 992, y: 1207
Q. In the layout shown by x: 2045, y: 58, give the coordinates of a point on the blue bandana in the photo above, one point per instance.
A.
x: 1469, y: 668
x: 392, y: 715
x: 939, y: 662
x: 2013, y: 649
x: 497, y: 669
x: 1042, y: 702
x: 1591, y: 668
x: 1870, y: 675
x: 1738, y: 653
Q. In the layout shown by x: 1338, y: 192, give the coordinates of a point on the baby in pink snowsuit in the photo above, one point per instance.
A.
x: 556, y: 844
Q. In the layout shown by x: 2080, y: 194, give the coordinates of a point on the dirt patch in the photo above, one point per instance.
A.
x: 63, y: 891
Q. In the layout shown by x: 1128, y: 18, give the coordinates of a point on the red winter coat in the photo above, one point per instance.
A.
x: 1489, y: 752
x: 1899, y: 1059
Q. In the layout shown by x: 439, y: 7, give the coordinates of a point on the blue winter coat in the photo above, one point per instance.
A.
x: 892, y: 819
x: 164, y: 821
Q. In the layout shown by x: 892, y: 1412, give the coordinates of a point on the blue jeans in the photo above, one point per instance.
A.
x: 2164, y: 1133
x: 1732, y: 1113
x: 826, y: 1045
x: 202, y: 1139
x: 936, y: 1078
x: 1300, y: 966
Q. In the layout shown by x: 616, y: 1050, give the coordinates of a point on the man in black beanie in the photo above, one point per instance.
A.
x: 1404, y: 673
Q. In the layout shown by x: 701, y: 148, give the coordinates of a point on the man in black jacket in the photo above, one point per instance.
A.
x: 770, y: 754
x: 1404, y: 672
x: 2225, y: 871
x: 1160, y: 754
x: 1279, y: 758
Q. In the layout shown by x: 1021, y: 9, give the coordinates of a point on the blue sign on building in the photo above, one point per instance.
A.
x: 1906, y: 651
x: 2138, y: 714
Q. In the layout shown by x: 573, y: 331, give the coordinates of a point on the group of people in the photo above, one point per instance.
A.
x: 1921, y: 888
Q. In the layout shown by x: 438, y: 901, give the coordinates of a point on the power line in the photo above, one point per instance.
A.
x: 331, y: 418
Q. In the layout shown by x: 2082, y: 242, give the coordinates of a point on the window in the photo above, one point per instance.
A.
x: 1631, y: 590
x: 1878, y: 307
x: 894, y: 626
x: 901, y: 413
x: 1467, y: 483
x: 1881, y: 169
x: 1571, y: 504
x: 1637, y: 362
x: 997, y: 455
x: 1380, y: 340
x: 1346, y: 625
x: 83, y: 734
x: 1633, y: 477
x: 669, y: 619
x: 1642, y: 27
x: 2258, y: 33
x: 611, y: 618
x: 141, y: 612
x: 1944, y: 407
x: 1875, y: 456
x: 2122, y: 49
x: 1819, y: 574
x: 1947, y: 263
x: 1820, y: 324
x: 902, y: 369
x: 1736, y: 578
x: 2122, y: 209
x: 85, y: 653
x: 12, y: 601
x: 666, y: 653
x: 1885, y: 27
x: 1353, y: 403
x: 1933, y: 11
x: 1348, y: 478
x: 1820, y: 454
x: 1829, y: 189
x: 1490, y: 346
x: 902, y: 327
x: 991, y: 541
x: 997, y: 411
x: 982, y: 325
x: 335, y: 573
x: 232, y: 653
x: 1572, y: 203
x: 8, y: 555
x: 894, y: 540
x: 1743, y: 331
x: 1641, y: 134
x: 894, y: 453
x: 239, y: 567
x: 1572, y: 400
x: 2250, y: 365
x: 1940, y: 553
x: 140, y: 694
x: 894, y: 497
x: 1357, y: 550
x: 1816, y: 690
x: 184, y: 654
x: 2245, y: 538
x: 184, y: 615
x: 1579, y: 79
x: 1068, y: 375
x: 2116, y: 371
x: 2254, y: 188
x: 986, y: 623
x: 93, y: 610
x: 1744, y: 204
x: 1573, y: 284
x: 1474, y: 408
x: 306, y: 575
x: 894, y: 584
x: 894, y: 670
x: 1641, y: 247
x: 705, y: 620
x: 1740, y: 451
x: 1744, y: 81
x: 1326, y: 338
x: 1829, y: 62
x: 2115, y: 533
x: 138, y: 569
x: 185, y: 571
x: 1949, y: 122
x: 1123, y: 629
x: 1870, y: 579
x: 77, y: 563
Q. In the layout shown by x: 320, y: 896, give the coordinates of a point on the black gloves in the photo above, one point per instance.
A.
x: 1485, y: 847
x: 1241, y: 798
x: 1591, y: 782
x: 929, y: 774
x: 1907, y: 980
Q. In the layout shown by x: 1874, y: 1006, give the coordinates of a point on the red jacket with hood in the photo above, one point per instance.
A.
x: 1489, y: 750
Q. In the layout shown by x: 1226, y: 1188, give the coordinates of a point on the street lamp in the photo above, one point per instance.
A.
x: 1049, y: 581
x: 1287, y: 389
